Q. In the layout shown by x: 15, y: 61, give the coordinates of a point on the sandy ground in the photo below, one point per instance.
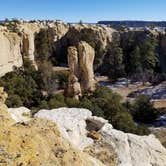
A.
x: 60, y: 68
x: 125, y: 91
x: 160, y: 103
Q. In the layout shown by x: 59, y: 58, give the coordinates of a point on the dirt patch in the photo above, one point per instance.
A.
x: 160, y: 103
x: 103, y: 151
x: 160, y: 133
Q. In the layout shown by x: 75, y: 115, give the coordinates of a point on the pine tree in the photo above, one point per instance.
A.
x: 115, y: 62
x: 148, y: 58
x: 148, y: 54
x: 135, y: 60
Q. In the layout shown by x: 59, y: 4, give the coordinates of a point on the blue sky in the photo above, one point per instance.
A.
x: 86, y: 10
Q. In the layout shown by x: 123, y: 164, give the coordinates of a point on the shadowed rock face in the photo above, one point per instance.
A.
x: 81, y: 78
x: 92, y: 34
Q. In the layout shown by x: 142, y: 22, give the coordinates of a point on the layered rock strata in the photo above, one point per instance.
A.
x: 10, y: 52
x: 20, y: 41
x: 81, y: 77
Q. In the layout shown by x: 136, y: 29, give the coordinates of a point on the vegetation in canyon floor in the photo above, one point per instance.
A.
x: 26, y: 86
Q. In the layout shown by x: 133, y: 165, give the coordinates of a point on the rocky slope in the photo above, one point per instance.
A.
x: 93, y: 141
x: 18, y: 40
x: 88, y: 132
x: 37, y: 142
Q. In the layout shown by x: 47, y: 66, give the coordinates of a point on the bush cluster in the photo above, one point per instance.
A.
x: 108, y: 105
x: 39, y: 90
x: 31, y: 88
x: 143, y: 110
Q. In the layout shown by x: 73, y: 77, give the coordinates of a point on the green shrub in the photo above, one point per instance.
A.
x: 143, y: 110
x: 22, y: 87
x: 43, y: 105
x: 25, y: 86
x: 142, y: 130
x: 62, y: 77
x: 44, y: 43
x: 57, y: 101
x: 14, y: 101
x: 49, y: 81
x: 122, y: 120
x: 71, y: 102
x: 108, y: 105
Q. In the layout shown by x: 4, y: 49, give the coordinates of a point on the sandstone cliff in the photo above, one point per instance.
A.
x: 81, y: 77
x: 20, y: 42
x: 10, y: 52
x: 29, y: 30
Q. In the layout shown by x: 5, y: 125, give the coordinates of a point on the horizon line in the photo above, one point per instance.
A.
x: 112, y: 20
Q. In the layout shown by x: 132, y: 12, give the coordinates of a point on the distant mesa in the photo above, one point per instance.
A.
x: 134, y: 23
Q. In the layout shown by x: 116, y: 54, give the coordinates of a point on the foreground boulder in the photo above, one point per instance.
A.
x: 130, y: 149
x: 36, y: 143
x: 39, y: 143
x: 21, y: 114
x: 72, y: 124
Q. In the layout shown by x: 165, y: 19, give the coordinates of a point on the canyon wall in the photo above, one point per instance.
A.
x: 10, y: 51
x: 15, y: 45
x: 20, y: 41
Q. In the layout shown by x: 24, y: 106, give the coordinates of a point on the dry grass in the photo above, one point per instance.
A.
x: 125, y: 91
x: 160, y: 103
x: 58, y: 68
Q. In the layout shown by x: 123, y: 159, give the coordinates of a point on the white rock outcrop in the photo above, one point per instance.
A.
x: 132, y: 150
x: 21, y: 114
x: 71, y: 122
